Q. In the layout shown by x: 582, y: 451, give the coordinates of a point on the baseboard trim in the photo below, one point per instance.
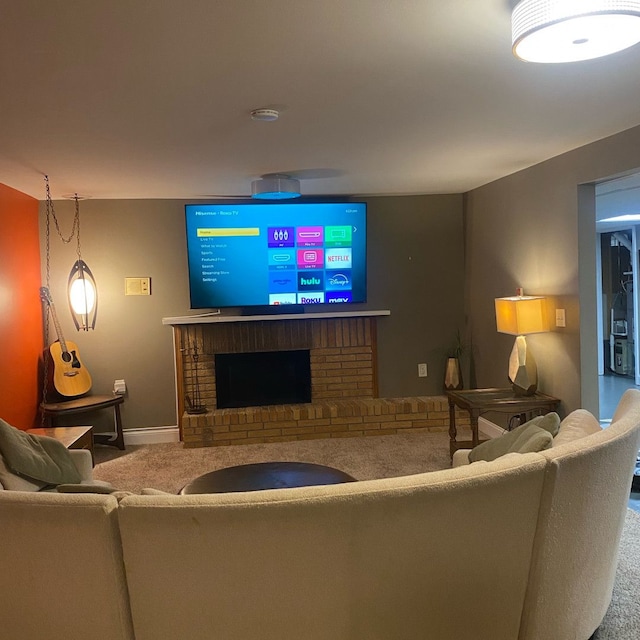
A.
x: 151, y: 435
x: 157, y: 435
x: 489, y: 429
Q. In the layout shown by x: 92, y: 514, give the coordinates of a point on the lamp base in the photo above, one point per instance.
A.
x: 523, y: 372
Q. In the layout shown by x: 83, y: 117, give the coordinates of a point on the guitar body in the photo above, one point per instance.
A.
x: 67, y: 373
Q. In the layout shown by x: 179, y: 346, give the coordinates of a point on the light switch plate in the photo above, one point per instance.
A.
x: 137, y: 286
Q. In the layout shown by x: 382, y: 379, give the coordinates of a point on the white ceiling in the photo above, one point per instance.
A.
x: 151, y: 98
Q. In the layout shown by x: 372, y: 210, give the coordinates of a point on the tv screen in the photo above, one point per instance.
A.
x: 258, y: 255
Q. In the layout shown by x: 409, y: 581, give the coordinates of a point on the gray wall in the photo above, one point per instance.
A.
x: 416, y: 269
x: 536, y: 229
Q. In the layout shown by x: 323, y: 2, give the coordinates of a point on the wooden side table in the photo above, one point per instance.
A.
x: 84, y: 405
x: 479, y: 401
x: 71, y: 437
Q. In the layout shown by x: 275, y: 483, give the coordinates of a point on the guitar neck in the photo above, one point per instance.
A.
x: 56, y: 324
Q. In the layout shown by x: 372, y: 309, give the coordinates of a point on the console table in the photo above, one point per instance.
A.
x: 479, y: 401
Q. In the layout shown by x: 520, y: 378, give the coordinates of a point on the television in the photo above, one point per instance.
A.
x: 277, y: 256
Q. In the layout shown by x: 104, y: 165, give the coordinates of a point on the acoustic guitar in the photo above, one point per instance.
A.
x: 66, y: 373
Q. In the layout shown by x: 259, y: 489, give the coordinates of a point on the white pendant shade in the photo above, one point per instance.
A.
x: 572, y: 30
x: 82, y: 296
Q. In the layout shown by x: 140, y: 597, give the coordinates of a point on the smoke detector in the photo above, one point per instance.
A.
x: 265, y: 115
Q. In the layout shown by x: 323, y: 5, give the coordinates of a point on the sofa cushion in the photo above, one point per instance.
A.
x: 36, y: 457
x: 532, y: 439
x: 12, y: 482
x: 549, y: 422
x: 96, y: 486
x: 577, y: 424
x: 534, y: 435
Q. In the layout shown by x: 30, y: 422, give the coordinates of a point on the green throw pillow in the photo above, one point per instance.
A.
x: 532, y: 440
x: 520, y: 439
x: 550, y: 422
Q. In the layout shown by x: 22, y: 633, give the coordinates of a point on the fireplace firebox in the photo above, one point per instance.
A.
x: 262, y: 378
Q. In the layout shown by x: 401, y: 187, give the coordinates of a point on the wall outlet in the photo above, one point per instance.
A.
x: 119, y: 387
x: 560, y: 318
x: 422, y: 370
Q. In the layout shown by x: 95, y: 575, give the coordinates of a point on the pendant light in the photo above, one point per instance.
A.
x: 573, y: 30
x: 82, y: 291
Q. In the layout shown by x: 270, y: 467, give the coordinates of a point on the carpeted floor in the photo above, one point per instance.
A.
x: 169, y: 467
x: 622, y: 620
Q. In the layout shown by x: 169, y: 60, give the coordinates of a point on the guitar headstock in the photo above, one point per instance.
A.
x: 45, y: 295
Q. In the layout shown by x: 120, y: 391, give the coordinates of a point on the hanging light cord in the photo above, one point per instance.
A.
x: 75, y: 232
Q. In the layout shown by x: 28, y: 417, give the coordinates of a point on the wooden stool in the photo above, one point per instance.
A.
x: 83, y: 405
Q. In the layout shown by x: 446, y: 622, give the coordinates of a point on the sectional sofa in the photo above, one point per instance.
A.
x: 520, y: 548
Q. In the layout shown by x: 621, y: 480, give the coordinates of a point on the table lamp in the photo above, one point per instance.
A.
x: 518, y: 316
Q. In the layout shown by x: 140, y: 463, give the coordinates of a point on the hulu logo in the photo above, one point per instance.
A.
x: 310, y: 280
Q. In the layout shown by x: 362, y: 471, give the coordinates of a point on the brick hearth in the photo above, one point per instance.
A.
x: 343, y: 383
x: 338, y: 419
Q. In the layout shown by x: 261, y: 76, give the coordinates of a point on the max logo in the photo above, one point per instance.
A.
x: 339, y: 300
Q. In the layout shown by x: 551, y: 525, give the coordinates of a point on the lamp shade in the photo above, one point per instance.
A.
x: 520, y: 315
x: 82, y: 294
x: 572, y: 30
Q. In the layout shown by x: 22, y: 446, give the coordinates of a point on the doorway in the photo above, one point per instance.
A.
x: 617, y: 259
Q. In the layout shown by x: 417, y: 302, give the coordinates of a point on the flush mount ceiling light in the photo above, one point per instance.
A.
x: 275, y: 186
x: 572, y: 30
x: 265, y: 115
x: 627, y: 217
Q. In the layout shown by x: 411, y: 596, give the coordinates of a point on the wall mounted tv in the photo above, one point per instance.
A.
x: 274, y: 255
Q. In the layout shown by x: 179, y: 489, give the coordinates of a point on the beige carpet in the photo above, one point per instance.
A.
x: 169, y: 467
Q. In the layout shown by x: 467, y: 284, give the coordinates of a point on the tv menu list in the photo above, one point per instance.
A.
x: 310, y: 264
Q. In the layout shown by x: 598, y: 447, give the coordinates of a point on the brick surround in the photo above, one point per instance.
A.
x: 343, y: 384
x: 326, y: 419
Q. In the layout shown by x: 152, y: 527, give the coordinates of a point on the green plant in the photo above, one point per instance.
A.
x: 459, y: 346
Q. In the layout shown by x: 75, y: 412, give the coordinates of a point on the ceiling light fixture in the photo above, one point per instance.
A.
x: 627, y: 217
x: 275, y: 186
x: 265, y: 115
x: 572, y: 30
x: 82, y: 291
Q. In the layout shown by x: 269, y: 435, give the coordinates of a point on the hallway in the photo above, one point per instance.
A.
x: 611, y: 387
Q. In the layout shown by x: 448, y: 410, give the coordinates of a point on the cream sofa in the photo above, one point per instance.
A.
x: 520, y: 548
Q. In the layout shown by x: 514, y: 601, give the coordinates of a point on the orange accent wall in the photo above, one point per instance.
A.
x: 21, y: 340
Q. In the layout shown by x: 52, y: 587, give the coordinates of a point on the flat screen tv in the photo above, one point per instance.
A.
x: 276, y: 255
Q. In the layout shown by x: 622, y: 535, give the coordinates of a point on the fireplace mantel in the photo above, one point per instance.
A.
x: 206, y: 318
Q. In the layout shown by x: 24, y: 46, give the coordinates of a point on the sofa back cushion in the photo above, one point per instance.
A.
x: 389, y: 558
x: 63, y: 574
x: 582, y: 512
x: 577, y: 424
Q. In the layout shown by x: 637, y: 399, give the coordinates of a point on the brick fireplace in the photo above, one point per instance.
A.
x: 344, y: 390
